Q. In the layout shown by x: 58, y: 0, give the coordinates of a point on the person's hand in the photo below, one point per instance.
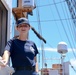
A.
x: 37, y: 72
x: 3, y: 63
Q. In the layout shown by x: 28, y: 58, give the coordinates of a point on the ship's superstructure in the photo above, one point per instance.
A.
x: 5, y: 22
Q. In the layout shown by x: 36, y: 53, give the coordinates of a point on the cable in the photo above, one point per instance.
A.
x: 50, y: 4
x: 71, y: 26
x: 64, y: 28
x: 53, y: 20
x: 73, y: 34
x: 39, y: 25
x: 68, y: 26
x: 65, y: 32
x: 70, y: 6
x: 72, y: 19
x: 72, y: 67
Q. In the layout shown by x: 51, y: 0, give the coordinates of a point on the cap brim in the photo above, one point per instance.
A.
x: 23, y: 23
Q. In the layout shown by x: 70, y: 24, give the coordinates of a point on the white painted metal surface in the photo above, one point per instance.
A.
x: 28, y: 3
x: 8, y: 5
x: 66, y: 68
x: 62, y: 48
x: 5, y: 70
x: 53, y: 72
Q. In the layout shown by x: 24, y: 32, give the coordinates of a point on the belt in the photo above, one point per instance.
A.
x: 30, y: 68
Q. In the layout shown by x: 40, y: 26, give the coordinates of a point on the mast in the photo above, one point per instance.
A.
x: 23, y: 9
x: 72, y: 8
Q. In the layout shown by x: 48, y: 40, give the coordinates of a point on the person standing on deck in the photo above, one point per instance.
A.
x: 22, y: 51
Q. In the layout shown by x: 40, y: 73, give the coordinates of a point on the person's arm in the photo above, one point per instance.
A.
x: 5, y: 57
x: 36, y: 68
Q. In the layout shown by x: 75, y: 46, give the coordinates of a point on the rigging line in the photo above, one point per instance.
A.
x: 43, y: 52
x: 68, y: 25
x: 56, y: 23
x: 69, y: 21
x: 71, y: 4
x: 39, y: 21
x: 50, y: 4
x: 74, y: 29
x: 69, y: 41
x: 64, y: 28
x: 72, y: 67
x: 53, y: 20
x: 48, y: 43
x: 38, y: 18
x: 39, y: 26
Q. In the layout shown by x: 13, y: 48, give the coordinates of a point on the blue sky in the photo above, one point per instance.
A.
x: 56, y: 26
x: 53, y: 31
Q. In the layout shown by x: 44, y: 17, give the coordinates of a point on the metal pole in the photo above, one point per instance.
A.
x: 62, y: 62
x: 42, y: 55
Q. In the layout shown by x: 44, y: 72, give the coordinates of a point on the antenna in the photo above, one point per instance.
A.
x: 62, y: 49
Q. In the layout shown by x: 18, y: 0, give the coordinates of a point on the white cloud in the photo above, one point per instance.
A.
x: 73, y: 62
x: 55, y: 49
x: 49, y: 49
